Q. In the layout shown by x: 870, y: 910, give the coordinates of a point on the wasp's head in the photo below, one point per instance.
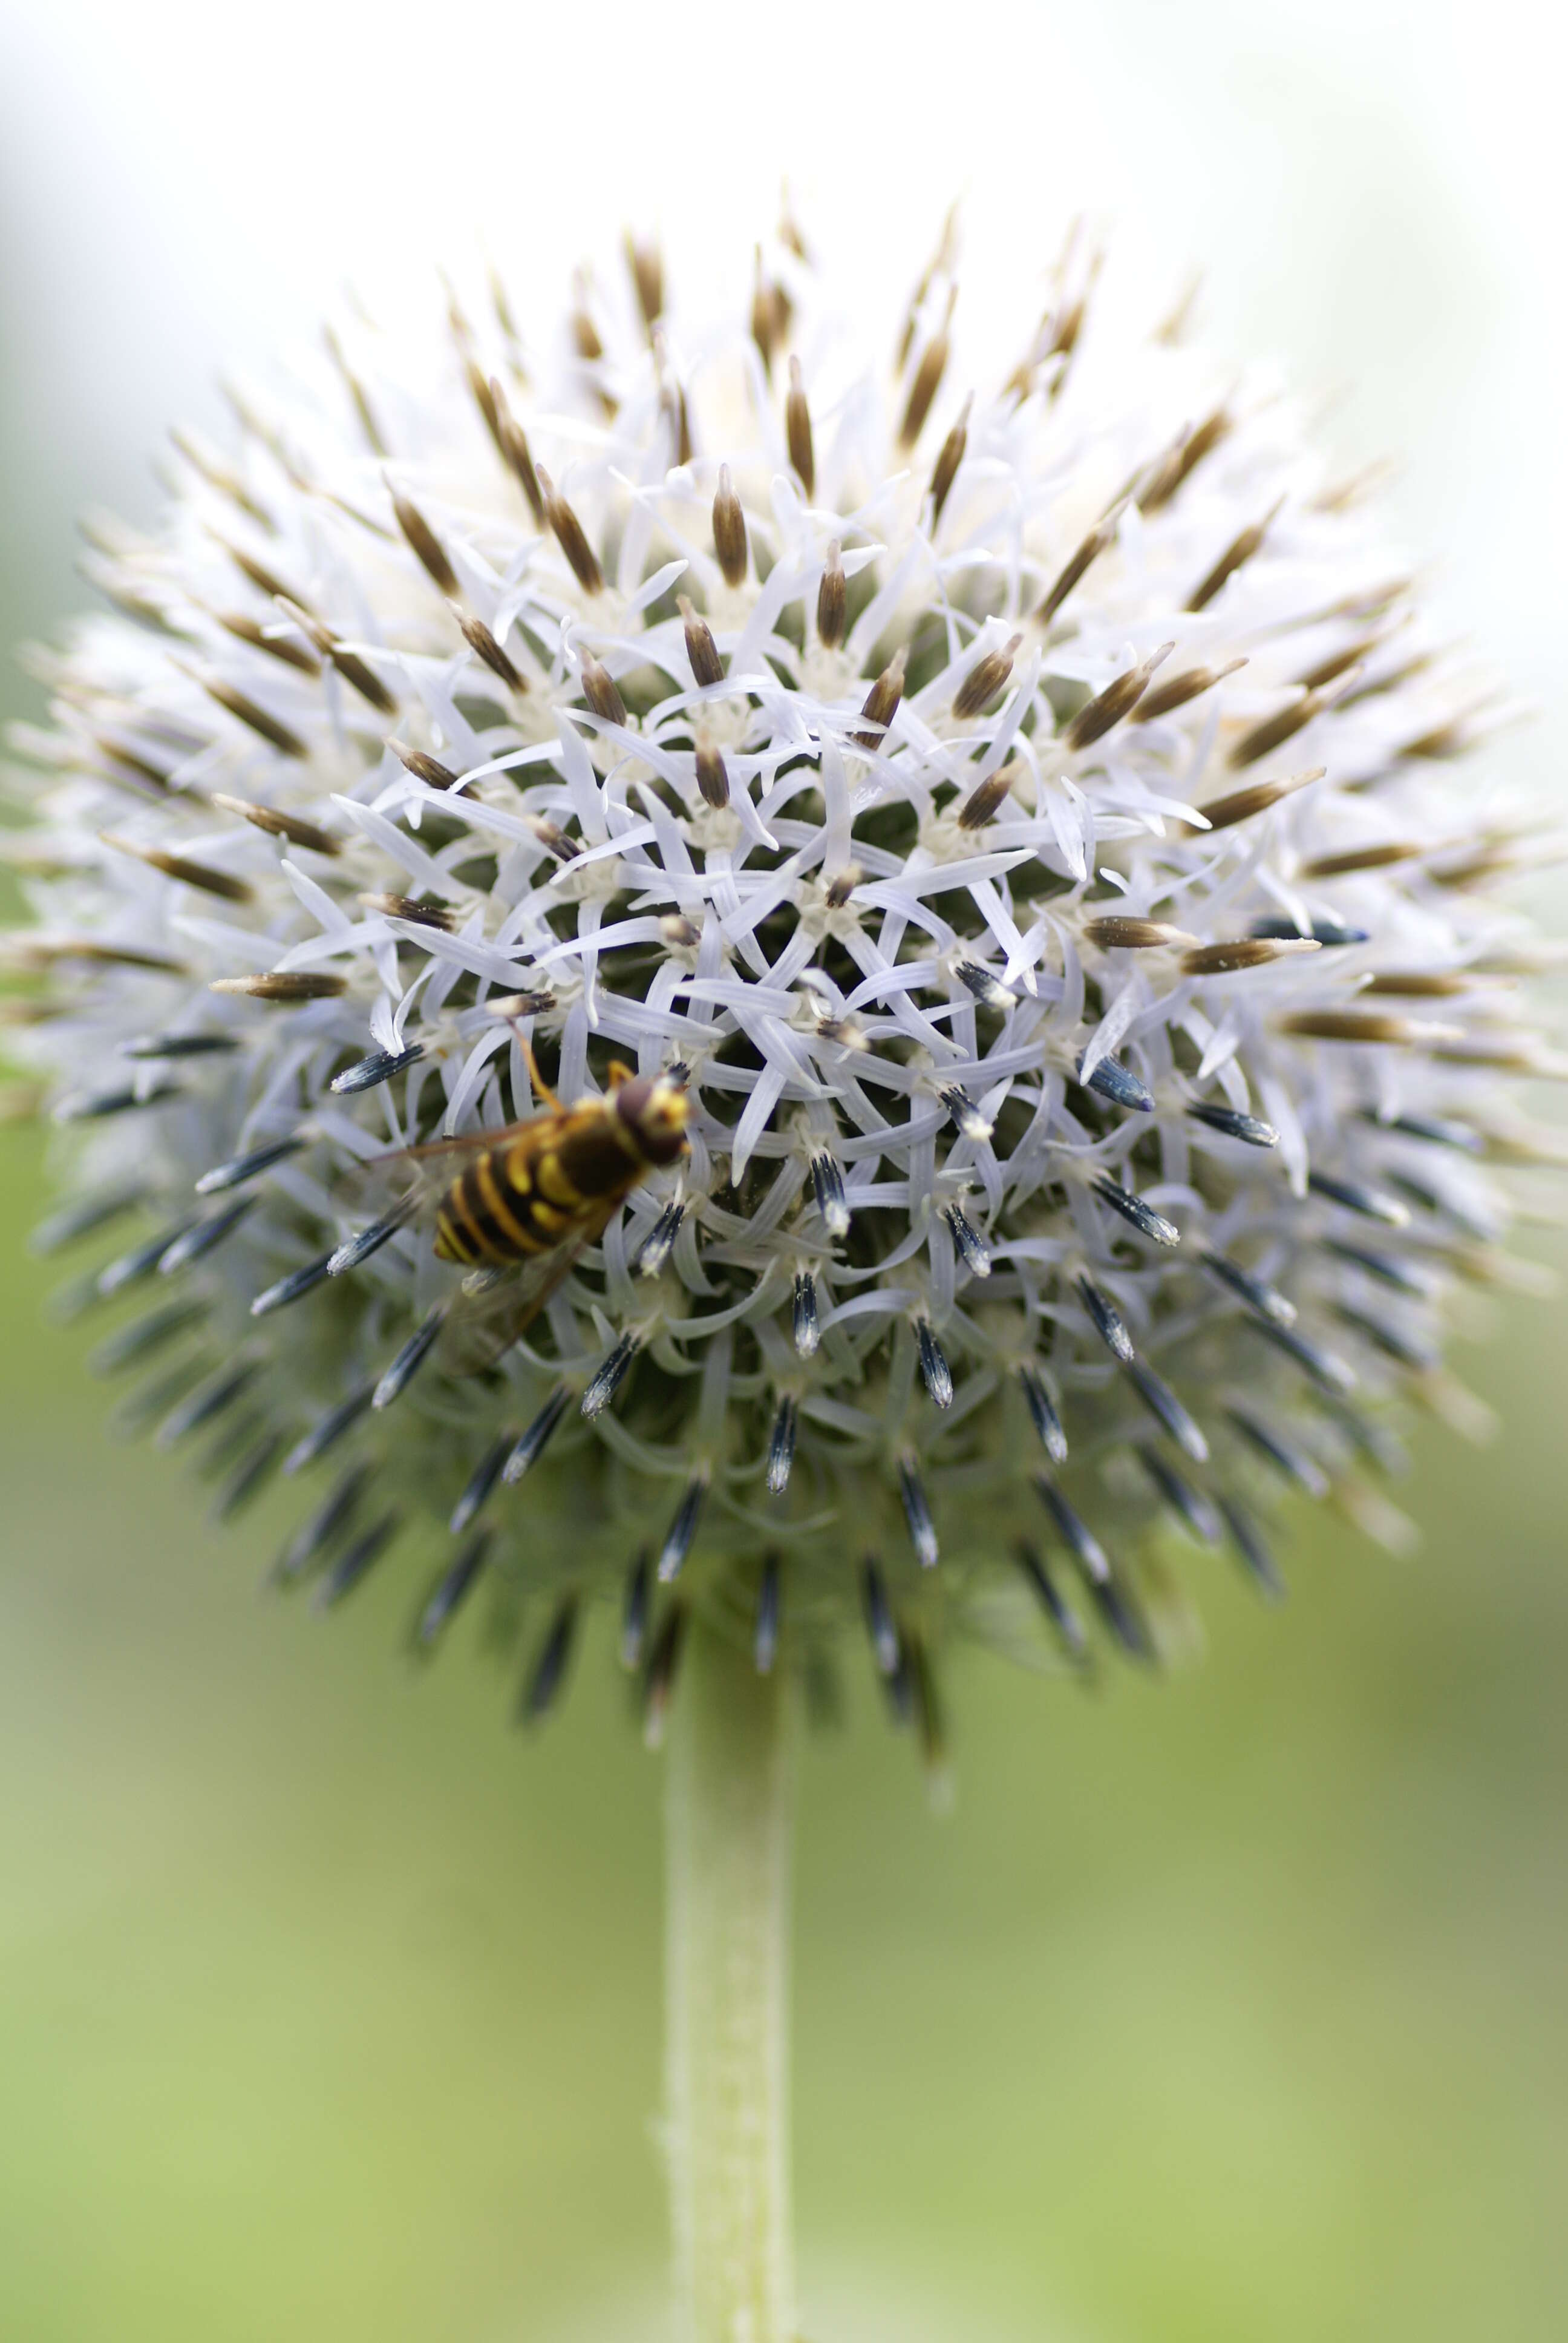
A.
x: 657, y: 1108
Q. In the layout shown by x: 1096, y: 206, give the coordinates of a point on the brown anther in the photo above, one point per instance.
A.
x: 1243, y: 952
x: 1484, y: 1265
x: 1345, y: 493
x: 277, y: 824
x: 1327, y: 670
x: 413, y: 909
x: 1372, y: 601
x: 599, y: 691
x: 832, y: 598
x: 1374, y: 686
x: 906, y: 341
x: 568, y: 535
x: 1522, y: 1144
x: 589, y: 347
x: 766, y: 323
x: 1240, y: 550
x: 266, y: 581
x: 676, y: 413
x: 358, y: 394
x: 585, y: 333
x: 256, y: 428
x: 1184, y: 460
x: 1020, y: 384
x: 1155, y: 484
x: 950, y: 455
x: 1115, y: 932
x: 798, y: 429
x: 423, y: 542
x: 119, y: 753
x: 1544, y: 958
x: 140, y: 608
x: 1274, y: 730
x: 1364, y: 1025
x: 1191, y: 684
x: 1528, y: 1055
x: 500, y: 301
x: 647, y: 266
x: 1499, y: 860
x: 927, y: 381
x: 1359, y: 858
x: 435, y: 775
x: 314, y: 630
x: 1455, y: 738
x: 1242, y: 804
x: 1065, y: 329
x: 712, y: 779
x: 700, y: 647
x: 552, y: 837
x: 940, y: 260
x: 987, y: 677
x: 509, y: 1005
x: 484, y: 398
x: 1171, y: 331
x: 284, y: 985
x: 513, y: 442
x: 783, y: 312
x: 176, y: 866
x: 1118, y: 699
x: 484, y: 645
x: 985, y: 800
x: 267, y: 727
x: 210, y: 466
x: 458, y: 325
x: 283, y: 648
x: 1204, y: 440
x: 728, y: 529
x: 349, y: 666
x: 679, y: 932
x: 1092, y: 547
x: 838, y: 891
x: 882, y: 703
x: 30, y: 953
x: 1413, y: 985
x: 790, y: 235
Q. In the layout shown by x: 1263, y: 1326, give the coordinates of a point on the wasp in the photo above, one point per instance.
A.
x: 515, y: 1207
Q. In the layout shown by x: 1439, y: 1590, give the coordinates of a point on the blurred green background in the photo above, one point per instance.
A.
x: 1231, y: 2008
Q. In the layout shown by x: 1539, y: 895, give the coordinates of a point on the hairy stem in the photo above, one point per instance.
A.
x: 728, y: 1830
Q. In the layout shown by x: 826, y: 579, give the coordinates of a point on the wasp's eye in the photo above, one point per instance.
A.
x: 632, y: 1099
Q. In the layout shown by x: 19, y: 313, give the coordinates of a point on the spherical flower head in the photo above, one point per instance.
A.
x: 926, y: 938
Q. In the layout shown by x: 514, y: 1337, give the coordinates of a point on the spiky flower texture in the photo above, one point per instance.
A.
x: 1024, y: 822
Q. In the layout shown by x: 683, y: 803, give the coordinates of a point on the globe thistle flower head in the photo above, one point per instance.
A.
x: 1009, y: 837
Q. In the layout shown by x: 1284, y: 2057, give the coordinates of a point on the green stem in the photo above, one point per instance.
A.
x: 729, y: 1832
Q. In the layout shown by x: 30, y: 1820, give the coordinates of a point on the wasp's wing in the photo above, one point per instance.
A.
x: 414, y: 1178
x: 495, y: 1306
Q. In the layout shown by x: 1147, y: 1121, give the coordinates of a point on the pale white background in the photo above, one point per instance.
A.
x: 1375, y: 191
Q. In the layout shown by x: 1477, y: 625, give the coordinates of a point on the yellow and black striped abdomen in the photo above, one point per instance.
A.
x: 491, y: 1215
x: 558, y: 1179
